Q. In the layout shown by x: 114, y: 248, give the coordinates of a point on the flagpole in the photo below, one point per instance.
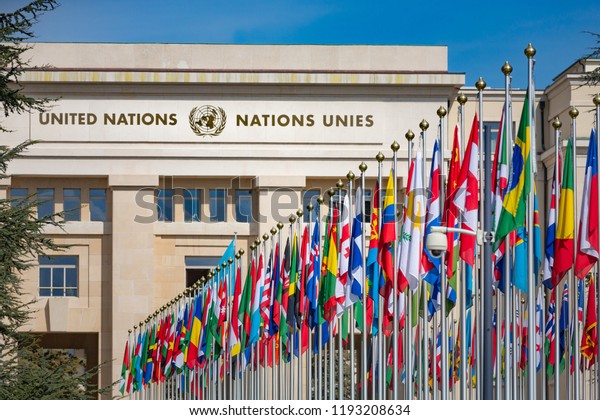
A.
x: 424, y: 125
x: 290, y: 367
x: 596, y: 101
x: 395, y: 146
x: 331, y: 388
x: 377, y: 345
x: 319, y: 328
x: 573, y: 113
x: 350, y: 176
x: 556, y: 124
x: 340, y: 318
x: 363, y: 341
x: 441, y: 112
x: 408, y: 310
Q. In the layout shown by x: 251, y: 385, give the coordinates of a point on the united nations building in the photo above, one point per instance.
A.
x: 160, y: 155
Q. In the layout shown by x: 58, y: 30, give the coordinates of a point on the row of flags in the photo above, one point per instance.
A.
x: 350, y: 276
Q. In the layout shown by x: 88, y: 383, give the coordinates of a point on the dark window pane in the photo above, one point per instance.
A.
x: 45, y: 292
x: 19, y: 195
x: 71, y: 277
x: 165, y: 205
x: 71, y: 292
x: 98, y: 205
x: 72, y: 204
x: 44, y: 277
x: 58, y: 260
x: 368, y: 205
x: 46, y: 202
x: 191, y: 205
x: 217, y: 205
x: 310, y: 196
x: 58, y: 277
x: 58, y: 292
x: 243, y: 206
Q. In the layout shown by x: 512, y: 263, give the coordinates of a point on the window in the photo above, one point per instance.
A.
x: 19, y: 195
x: 165, y: 205
x: 98, y: 205
x: 217, y: 205
x: 72, y: 204
x: 192, y: 200
x: 58, y: 276
x: 198, y: 267
x: 243, y: 206
x: 310, y: 196
x: 368, y: 194
x: 45, y: 198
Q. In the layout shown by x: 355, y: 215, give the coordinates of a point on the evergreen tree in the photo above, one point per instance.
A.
x: 27, y: 371
x: 592, y: 78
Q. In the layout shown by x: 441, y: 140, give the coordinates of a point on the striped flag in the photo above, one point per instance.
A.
x: 551, y: 333
x: 587, y: 249
x: 266, y: 299
x: 450, y: 219
x: 589, y: 339
x: 565, y: 230
x: 514, y: 205
x: 354, y: 292
x: 235, y: 324
x: 374, y: 272
x: 344, y: 259
x: 314, y: 275
x: 551, y: 229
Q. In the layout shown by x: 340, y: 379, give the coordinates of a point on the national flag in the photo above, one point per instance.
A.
x: 344, y: 257
x: 244, y: 315
x: 589, y: 339
x: 314, y: 275
x: 235, y: 324
x: 413, y: 228
x: 466, y: 196
x: 514, y: 205
x: 354, y: 292
x: 580, y: 298
x: 374, y: 272
x: 539, y: 320
x: 387, y: 239
x: 565, y: 230
x: 327, y: 300
x: 551, y: 334
x: 168, y: 358
x: 587, y: 249
x: 450, y: 219
x: 431, y: 265
x: 124, y: 369
x: 499, y: 184
x: 256, y: 300
x: 275, y: 309
x: 563, y: 325
x: 266, y: 298
x: 293, y: 288
x: 520, y: 274
x: 551, y: 229
x: 304, y: 267
x: 283, y: 297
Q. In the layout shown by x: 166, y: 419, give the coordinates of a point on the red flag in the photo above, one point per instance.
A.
x: 589, y: 340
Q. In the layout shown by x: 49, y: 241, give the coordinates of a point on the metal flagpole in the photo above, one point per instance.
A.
x: 377, y: 343
x: 319, y: 329
x: 300, y: 322
x: 339, y: 319
x: 309, y: 377
x: 441, y: 112
x: 507, y: 70
x: 395, y: 146
x: 424, y: 125
x: 556, y: 124
x: 351, y: 177
x: 462, y: 100
x: 408, y: 317
x: 291, y: 363
x: 573, y: 113
x: 364, y: 333
x: 331, y: 388
x: 596, y: 388
x: 532, y: 280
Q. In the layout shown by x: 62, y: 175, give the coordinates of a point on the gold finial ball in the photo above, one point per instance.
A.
x: 573, y: 112
x: 556, y: 123
x: 230, y: 260
x: 238, y: 256
x: 409, y: 135
x: 461, y: 98
x: 379, y: 157
x: 339, y: 184
x: 398, y: 213
x: 441, y: 112
x: 480, y: 84
x: 529, y: 51
x: 257, y: 242
x: 350, y: 175
x: 181, y: 294
x: 395, y: 146
x: 523, y: 301
x: 265, y: 237
x: 330, y: 192
x: 309, y: 207
x: 506, y: 68
x: 292, y: 219
x: 597, y: 99
x: 130, y: 331
x: 362, y: 167
x: 279, y: 225
x: 273, y: 231
x: 320, y: 199
x: 242, y: 252
x: 299, y: 213
x: 252, y: 247
x: 218, y: 268
x: 224, y: 263
x: 424, y: 125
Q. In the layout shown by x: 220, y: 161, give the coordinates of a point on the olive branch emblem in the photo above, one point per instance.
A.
x: 205, y: 125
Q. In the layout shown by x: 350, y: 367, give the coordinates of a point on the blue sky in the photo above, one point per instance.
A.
x: 480, y: 35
